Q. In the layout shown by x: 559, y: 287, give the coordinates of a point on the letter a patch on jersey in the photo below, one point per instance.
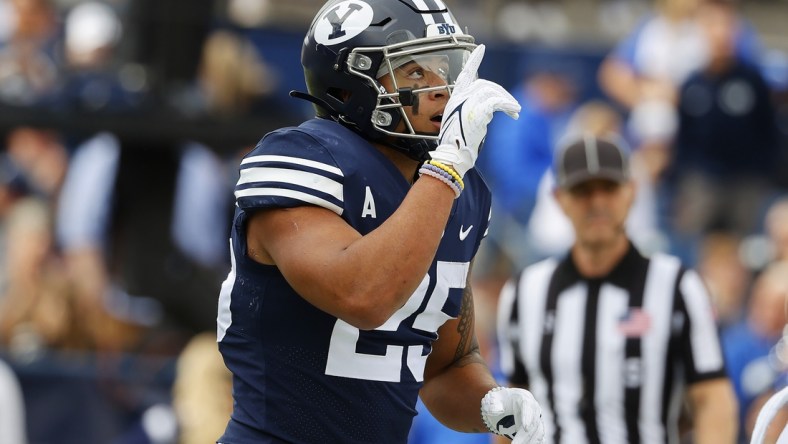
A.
x: 369, y: 205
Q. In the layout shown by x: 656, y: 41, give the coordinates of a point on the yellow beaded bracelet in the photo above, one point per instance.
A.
x: 443, y: 177
x: 448, y: 174
x: 449, y: 170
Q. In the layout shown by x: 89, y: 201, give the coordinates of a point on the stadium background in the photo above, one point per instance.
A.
x: 124, y: 395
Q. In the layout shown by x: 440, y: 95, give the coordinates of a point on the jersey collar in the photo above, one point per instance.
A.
x: 621, y: 275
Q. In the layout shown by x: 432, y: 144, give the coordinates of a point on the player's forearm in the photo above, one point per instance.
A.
x: 454, y: 396
x: 362, y: 280
x: 715, y: 418
x: 710, y: 429
x: 387, y: 265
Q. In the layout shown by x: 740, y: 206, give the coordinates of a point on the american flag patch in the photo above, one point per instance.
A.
x: 634, y: 323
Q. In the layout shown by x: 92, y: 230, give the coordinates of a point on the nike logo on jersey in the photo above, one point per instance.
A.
x: 464, y: 233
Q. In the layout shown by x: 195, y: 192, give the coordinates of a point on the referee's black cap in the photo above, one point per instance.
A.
x: 591, y: 157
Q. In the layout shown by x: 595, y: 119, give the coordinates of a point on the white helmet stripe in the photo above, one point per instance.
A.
x: 428, y: 19
x: 446, y: 15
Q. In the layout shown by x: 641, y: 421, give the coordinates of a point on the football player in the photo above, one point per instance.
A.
x: 353, y: 239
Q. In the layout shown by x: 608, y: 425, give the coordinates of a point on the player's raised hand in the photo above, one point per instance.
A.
x: 514, y: 413
x: 467, y: 114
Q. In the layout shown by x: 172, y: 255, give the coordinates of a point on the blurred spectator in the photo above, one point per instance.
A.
x: 91, y: 31
x: 727, y: 278
x: 28, y: 70
x: 644, y: 70
x: 41, y: 157
x: 37, y: 311
x: 232, y: 79
x: 776, y: 227
x: 202, y: 393
x: 643, y: 73
x: 142, y: 224
x: 13, y: 426
x: 40, y: 307
x: 40, y: 310
x: 748, y: 344
x: 13, y: 187
x: 92, y: 79
x: 726, y: 149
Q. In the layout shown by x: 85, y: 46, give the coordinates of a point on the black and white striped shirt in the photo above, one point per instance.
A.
x: 609, y: 359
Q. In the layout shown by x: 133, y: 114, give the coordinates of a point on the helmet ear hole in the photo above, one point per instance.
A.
x: 335, y: 100
x: 341, y: 95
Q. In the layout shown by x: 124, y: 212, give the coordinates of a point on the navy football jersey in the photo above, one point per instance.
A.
x: 301, y: 375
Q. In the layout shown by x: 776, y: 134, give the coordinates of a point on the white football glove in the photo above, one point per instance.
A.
x: 468, y: 111
x: 513, y: 413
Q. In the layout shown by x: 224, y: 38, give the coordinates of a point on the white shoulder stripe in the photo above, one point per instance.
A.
x: 294, y: 177
x: 294, y: 160
x: 298, y: 195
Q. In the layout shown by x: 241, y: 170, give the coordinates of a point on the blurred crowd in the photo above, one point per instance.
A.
x: 115, y: 243
x: 707, y: 125
x: 111, y: 236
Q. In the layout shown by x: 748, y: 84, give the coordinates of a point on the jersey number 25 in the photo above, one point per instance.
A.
x: 344, y: 360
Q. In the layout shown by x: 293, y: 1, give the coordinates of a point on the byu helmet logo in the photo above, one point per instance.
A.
x: 343, y: 22
x: 337, y: 21
x: 446, y: 28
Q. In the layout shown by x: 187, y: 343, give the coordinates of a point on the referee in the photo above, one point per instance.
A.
x: 611, y: 342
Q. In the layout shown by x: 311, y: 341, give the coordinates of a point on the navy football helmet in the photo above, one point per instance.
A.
x: 353, y: 43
